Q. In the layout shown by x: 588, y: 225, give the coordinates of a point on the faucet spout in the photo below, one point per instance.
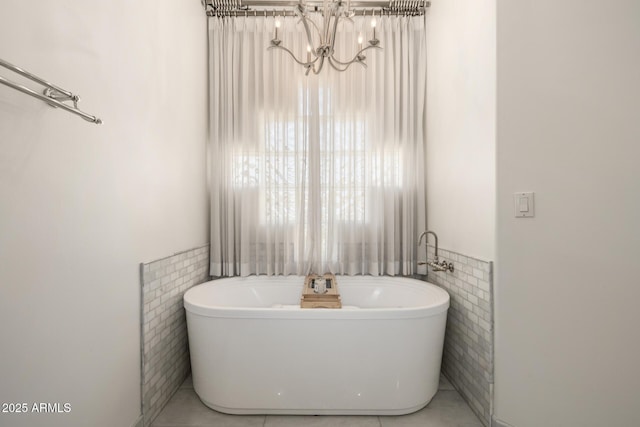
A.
x: 435, y: 237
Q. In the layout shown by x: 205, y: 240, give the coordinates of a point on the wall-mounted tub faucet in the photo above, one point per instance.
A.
x: 442, y: 266
x: 435, y: 236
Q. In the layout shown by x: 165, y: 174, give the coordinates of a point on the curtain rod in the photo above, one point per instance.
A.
x: 292, y: 3
x: 266, y: 7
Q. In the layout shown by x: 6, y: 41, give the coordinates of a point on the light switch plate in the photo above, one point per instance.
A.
x: 523, y: 204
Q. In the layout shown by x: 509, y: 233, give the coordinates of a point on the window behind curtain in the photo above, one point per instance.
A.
x: 315, y: 173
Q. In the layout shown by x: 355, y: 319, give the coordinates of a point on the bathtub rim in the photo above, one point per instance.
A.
x: 239, y: 312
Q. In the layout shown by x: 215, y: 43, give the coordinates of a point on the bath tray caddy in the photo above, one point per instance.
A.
x: 330, y: 299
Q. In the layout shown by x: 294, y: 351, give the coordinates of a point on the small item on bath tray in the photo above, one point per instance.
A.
x: 319, y: 285
x: 323, y: 294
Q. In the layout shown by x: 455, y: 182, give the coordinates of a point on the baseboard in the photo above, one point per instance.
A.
x: 138, y: 422
x: 497, y: 423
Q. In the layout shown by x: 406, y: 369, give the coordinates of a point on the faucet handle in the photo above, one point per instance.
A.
x: 447, y: 266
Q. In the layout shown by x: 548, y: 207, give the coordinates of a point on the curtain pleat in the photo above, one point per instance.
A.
x: 318, y: 173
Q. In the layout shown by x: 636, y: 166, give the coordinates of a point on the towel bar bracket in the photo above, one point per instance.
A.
x: 59, y: 96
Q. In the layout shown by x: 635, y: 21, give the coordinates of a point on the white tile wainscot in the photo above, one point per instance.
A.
x: 165, y: 350
x: 468, y: 346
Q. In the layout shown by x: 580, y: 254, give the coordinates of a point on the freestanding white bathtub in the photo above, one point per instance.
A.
x: 254, y: 351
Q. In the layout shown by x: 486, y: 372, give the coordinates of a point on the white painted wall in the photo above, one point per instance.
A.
x: 567, y: 340
x: 461, y: 115
x: 82, y: 205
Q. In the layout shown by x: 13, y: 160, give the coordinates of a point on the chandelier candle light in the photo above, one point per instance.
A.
x: 317, y: 53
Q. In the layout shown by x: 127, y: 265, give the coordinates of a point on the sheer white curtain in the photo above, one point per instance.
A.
x: 316, y: 173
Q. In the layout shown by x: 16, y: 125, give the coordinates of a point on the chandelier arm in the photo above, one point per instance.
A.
x: 327, y: 12
x: 335, y: 29
x: 319, y: 66
x: 335, y: 67
x: 335, y: 61
x: 332, y: 62
x: 305, y: 23
x: 355, y: 58
x: 304, y: 64
x: 317, y: 31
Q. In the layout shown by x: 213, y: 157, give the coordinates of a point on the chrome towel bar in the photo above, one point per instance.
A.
x: 52, y: 95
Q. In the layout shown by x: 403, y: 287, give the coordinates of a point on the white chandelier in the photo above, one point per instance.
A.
x: 332, y: 12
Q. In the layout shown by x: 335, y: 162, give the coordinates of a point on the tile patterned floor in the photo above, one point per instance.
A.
x: 446, y: 409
